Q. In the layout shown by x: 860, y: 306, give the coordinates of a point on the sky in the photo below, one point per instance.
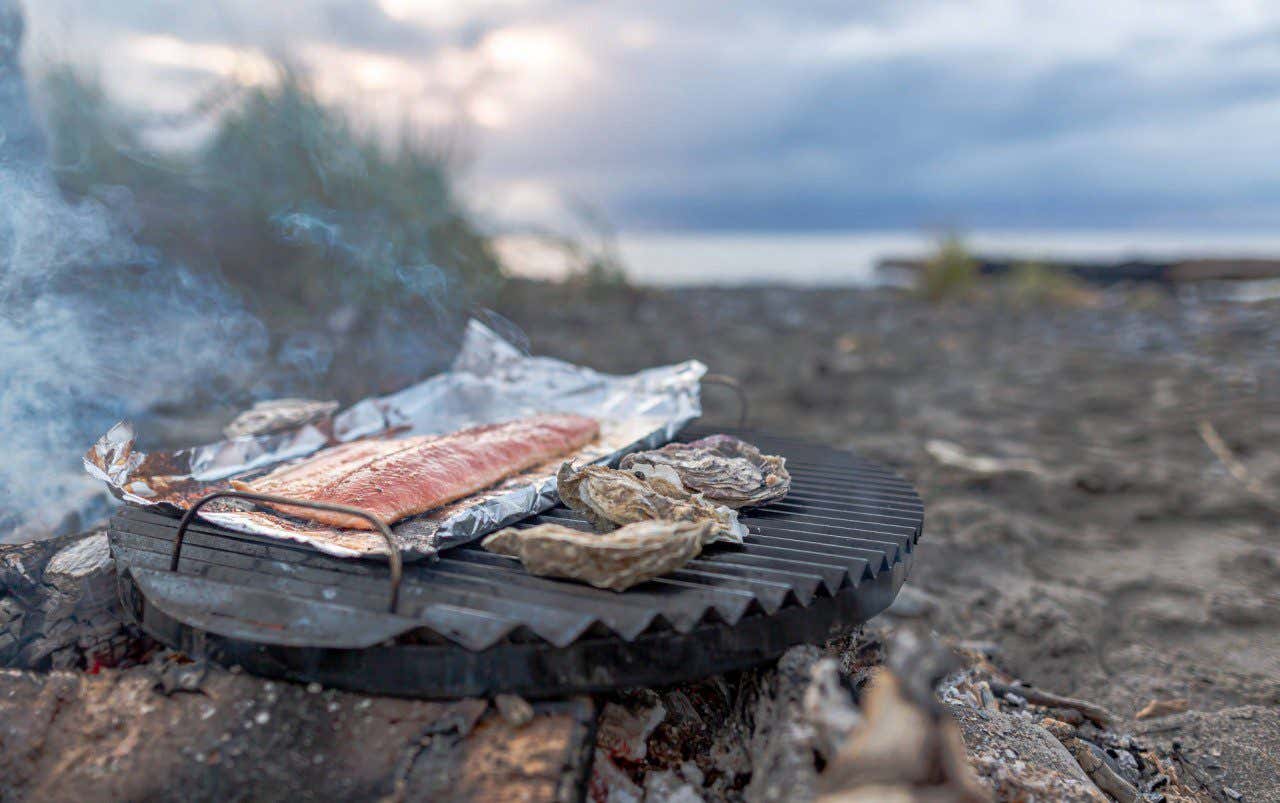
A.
x: 672, y: 115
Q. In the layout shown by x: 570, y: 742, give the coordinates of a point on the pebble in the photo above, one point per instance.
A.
x: 314, y: 688
x: 262, y: 718
x: 514, y: 709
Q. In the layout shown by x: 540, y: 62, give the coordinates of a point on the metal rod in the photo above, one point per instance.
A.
x: 393, y: 551
x: 724, y: 380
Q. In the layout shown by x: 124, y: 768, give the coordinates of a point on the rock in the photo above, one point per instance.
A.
x: 514, y: 709
x: 111, y: 736
x: 1016, y: 781
x: 1011, y: 754
x: 1237, y: 747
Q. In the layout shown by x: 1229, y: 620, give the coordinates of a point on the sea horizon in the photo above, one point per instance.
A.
x: 849, y: 258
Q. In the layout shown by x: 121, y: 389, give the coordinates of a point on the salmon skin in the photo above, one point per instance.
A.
x: 397, y: 479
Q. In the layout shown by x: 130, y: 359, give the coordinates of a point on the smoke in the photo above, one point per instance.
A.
x: 94, y: 327
x: 286, y: 255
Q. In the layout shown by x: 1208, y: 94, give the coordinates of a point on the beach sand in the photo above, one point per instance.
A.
x: 1077, y: 521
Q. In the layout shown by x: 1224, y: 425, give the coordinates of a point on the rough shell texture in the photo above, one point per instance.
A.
x: 278, y: 414
x: 616, y: 560
x: 724, y: 469
x: 610, y: 498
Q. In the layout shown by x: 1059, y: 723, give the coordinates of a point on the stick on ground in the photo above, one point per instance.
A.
x: 1096, y: 713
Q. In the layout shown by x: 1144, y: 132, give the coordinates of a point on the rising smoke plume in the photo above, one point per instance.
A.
x: 94, y: 327
x: 289, y: 254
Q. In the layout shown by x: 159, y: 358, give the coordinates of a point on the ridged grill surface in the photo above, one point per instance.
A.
x: 845, y: 522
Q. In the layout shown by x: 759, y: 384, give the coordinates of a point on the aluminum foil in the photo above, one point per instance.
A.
x: 490, y: 380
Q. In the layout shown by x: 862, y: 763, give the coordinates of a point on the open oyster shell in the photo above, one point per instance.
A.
x: 615, y: 560
x: 610, y: 498
x: 724, y: 469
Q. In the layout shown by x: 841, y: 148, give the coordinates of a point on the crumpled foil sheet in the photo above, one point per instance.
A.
x: 490, y: 380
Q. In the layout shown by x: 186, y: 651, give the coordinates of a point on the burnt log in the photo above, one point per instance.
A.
x: 59, y: 608
x: 782, y: 745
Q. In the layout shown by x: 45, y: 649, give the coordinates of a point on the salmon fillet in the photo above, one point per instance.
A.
x: 422, y: 473
x: 324, y: 467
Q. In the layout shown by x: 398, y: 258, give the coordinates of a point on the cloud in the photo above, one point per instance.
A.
x: 672, y: 114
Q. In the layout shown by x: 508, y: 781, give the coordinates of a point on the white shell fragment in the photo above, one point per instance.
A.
x: 610, y: 498
x: 615, y: 560
x: 724, y: 469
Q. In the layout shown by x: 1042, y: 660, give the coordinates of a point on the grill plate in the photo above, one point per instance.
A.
x: 828, y: 557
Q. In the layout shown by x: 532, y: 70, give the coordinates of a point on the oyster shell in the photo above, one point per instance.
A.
x: 724, y: 469
x: 615, y: 560
x: 609, y: 498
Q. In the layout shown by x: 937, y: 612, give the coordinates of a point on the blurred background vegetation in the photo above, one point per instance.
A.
x: 352, y: 252
x: 952, y: 273
x: 330, y: 214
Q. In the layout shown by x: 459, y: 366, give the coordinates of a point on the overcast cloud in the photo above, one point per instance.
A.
x: 765, y: 115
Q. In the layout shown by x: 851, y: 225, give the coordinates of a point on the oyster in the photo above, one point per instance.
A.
x: 277, y: 414
x: 615, y: 560
x: 609, y: 498
x: 722, y: 468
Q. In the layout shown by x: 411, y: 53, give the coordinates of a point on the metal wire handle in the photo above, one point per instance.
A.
x: 724, y: 380
x: 393, y: 551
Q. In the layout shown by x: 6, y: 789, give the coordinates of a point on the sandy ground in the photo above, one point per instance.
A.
x: 1102, y: 490
x: 1104, y: 550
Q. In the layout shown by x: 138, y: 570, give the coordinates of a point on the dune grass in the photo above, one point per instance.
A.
x: 285, y: 199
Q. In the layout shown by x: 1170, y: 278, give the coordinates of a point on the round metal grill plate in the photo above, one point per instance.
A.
x: 825, y: 559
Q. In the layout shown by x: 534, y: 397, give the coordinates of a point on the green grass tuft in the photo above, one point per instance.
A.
x: 1032, y: 284
x: 950, y: 273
